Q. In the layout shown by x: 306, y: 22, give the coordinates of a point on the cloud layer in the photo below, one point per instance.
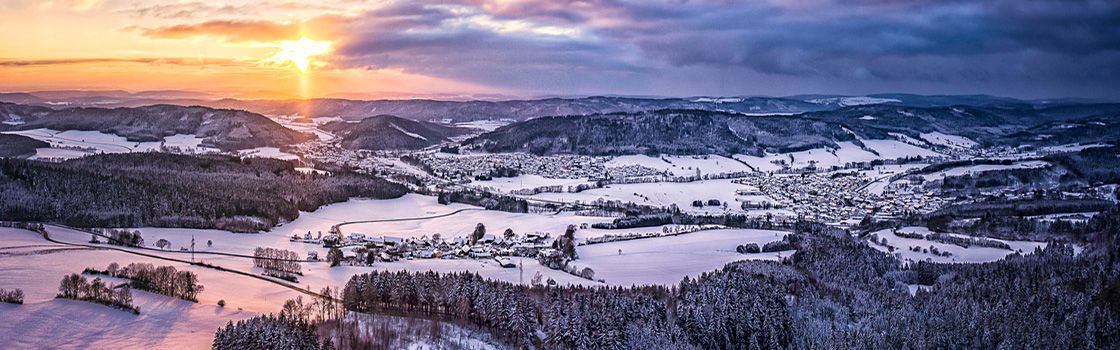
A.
x: 674, y: 47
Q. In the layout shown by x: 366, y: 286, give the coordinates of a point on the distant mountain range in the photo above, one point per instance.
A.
x: 708, y: 132
x: 586, y: 125
x: 221, y: 128
x: 458, y: 111
x: 384, y: 132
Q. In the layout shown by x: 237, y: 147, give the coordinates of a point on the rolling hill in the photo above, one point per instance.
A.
x: 690, y: 132
x: 665, y: 131
x: 386, y: 132
x: 221, y: 128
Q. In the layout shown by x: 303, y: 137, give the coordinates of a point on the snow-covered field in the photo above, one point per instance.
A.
x: 953, y: 141
x: 307, y: 170
x: 267, y: 152
x: 99, y: 142
x: 43, y: 322
x: 485, y: 125
x: 960, y: 254
x: 301, y: 124
x: 714, y: 245
x: 506, y: 184
x: 666, y: 260
x: 108, y: 143
x: 663, y: 194
x: 973, y: 169
x: 847, y: 152
x: 30, y: 263
x: 58, y: 153
x: 893, y: 149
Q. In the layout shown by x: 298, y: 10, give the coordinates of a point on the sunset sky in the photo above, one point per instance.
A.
x: 528, y: 48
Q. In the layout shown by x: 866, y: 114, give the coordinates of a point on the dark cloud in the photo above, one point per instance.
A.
x: 1035, y: 48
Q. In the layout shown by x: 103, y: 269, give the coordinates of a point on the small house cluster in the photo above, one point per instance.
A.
x: 363, y: 249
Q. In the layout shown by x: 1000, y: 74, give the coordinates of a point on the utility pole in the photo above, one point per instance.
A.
x: 520, y: 271
x: 192, y: 249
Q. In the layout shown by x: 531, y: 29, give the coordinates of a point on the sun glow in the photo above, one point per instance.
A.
x: 299, y: 52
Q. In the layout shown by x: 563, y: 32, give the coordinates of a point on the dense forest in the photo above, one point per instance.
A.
x: 835, y: 292
x: 268, y: 332
x: 167, y: 190
x: 17, y: 146
x: 665, y: 131
x: 487, y: 200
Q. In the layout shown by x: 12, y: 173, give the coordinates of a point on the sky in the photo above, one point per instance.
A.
x: 527, y: 48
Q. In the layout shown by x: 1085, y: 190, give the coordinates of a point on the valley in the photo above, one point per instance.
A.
x: 661, y: 200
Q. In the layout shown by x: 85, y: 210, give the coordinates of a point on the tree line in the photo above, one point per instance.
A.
x: 269, y: 332
x: 77, y: 287
x: 577, y: 317
x: 14, y: 296
x: 278, y: 263
x: 168, y: 190
x: 164, y: 280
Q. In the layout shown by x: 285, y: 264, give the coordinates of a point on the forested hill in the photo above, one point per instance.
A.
x: 384, y: 132
x: 225, y: 129
x: 690, y: 132
x: 168, y: 190
x: 17, y: 146
x: 665, y: 131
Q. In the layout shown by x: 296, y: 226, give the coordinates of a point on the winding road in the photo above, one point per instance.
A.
x: 338, y: 227
x: 142, y: 251
x: 47, y: 236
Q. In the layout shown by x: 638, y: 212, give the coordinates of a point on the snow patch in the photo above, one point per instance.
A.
x: 953, y: 141
x: 267, y: 152
x: 486, y: 125
x: 411, y: 134
x: 719, y: 99
x: 852, y: 101
x: 973, y: 254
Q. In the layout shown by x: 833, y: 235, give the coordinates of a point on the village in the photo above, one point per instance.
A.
x: 837, y: 197
x: 474, y: 166
x: 361, y: 249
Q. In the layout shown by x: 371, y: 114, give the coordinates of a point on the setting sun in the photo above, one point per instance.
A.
x: 299, y: 52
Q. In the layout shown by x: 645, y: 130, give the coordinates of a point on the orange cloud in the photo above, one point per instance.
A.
x: 147, y: 60
x: 228, y: 30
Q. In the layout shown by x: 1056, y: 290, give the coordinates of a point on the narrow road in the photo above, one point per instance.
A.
x: 140, y: 251
x: 338, y: 227
x: 174, y: 251
x: 46, y: 235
